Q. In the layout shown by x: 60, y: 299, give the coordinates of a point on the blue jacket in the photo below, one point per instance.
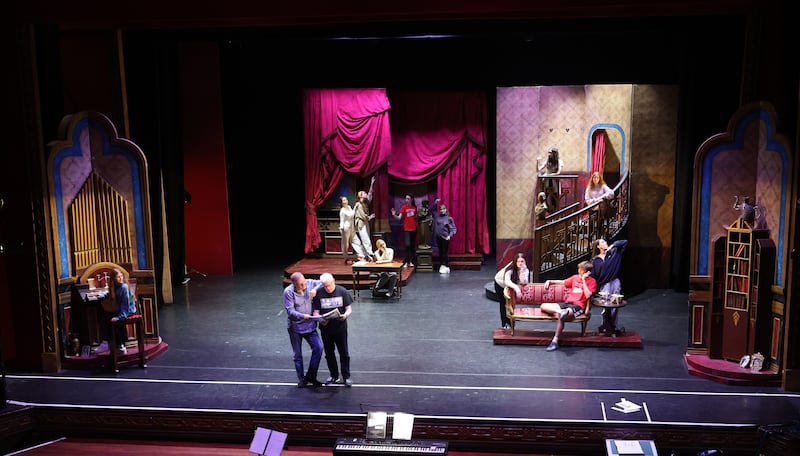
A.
x: 295, y: 311
x: 123, y: 298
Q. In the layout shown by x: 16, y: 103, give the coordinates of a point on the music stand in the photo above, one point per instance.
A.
x: 267, y: 442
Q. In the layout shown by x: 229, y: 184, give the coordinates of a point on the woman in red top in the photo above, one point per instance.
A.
x: 408, y: 214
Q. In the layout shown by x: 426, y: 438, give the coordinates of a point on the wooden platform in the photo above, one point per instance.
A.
x: 103, y: 360
x: 313, y: 267
x: 630, y: 339
x: 729, y: 372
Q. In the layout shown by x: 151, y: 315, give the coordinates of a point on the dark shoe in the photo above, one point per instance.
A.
x: 348, y: 383
x: 301, y: 384
x: 329, y: 380
x: 313, y: 383
x: 553, y: 346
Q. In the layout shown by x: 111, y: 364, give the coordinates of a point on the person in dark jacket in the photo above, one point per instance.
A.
x: 445, y: 228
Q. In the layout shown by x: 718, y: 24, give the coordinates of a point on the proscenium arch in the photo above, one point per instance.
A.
x: 589, y: 145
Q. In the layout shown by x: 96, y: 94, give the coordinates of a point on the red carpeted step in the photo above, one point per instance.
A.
x: 630, y: 339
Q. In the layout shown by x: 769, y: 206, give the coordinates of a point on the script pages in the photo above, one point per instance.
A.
x: 376, y: 425
x: 402, y: 425
x: 328, y: 316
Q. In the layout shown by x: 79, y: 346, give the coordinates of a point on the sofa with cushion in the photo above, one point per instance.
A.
x: 526, y: 308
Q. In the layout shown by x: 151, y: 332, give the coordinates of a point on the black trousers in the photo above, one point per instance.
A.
x: 503, y: 316
x: 333, y: 340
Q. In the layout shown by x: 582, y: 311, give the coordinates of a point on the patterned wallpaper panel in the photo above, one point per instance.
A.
x: 518, y: 117
x: 653, y: 145
x: 750, y: 171
x: 531, y: 120
x: 750, y: 159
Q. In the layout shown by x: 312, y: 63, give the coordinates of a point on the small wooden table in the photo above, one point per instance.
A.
x: 370, y: 267
x: 611, y: 308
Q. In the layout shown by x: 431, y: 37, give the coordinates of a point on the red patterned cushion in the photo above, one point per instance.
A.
x: 536, y: 293
x: 529, y: 312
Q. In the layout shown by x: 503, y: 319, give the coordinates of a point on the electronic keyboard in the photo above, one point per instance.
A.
x: 352, y: 446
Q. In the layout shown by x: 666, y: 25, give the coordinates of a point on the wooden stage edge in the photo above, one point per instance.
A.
x: 569, y: 338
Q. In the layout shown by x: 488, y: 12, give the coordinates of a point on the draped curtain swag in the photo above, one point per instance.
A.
x: 442, y: 135
x: 346, y: 130
x: 438, y: 135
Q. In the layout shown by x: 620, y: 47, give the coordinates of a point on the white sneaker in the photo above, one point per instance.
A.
x: 447, y: 269
x: 122, y: 350
x: 103, y: 347
x: 442, y: 269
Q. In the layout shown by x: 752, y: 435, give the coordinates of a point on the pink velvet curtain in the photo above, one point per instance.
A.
x: 438, y: 135
x: 599, y: 151
x: 346, y: 130
x: 442, y: 135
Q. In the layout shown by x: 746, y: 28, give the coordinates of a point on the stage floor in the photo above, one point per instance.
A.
x: 430, y: 353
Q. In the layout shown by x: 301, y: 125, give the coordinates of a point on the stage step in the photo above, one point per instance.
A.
x: 463, y: 262
x: 729, y: 372
x: 543, y: 337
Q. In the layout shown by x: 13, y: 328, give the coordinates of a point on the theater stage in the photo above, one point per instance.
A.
x: 229, y: 369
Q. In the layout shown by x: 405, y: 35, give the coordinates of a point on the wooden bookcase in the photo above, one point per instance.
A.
x: 761, y: 325
x: 717, y: 298
x: 749, y: 271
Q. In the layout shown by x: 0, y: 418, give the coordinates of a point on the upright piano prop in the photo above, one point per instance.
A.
x: 100, y: 205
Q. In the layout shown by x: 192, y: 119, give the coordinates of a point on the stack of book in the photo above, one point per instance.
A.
x: 626, y: 406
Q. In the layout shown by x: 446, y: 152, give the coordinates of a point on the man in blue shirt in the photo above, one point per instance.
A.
x: 297, y: 299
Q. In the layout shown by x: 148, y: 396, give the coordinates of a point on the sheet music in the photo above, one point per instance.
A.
x: 376, y: 425
x: 628, y: 447
x: 403, y: 425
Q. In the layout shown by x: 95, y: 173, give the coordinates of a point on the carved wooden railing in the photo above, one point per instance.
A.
x: 566, y: 237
